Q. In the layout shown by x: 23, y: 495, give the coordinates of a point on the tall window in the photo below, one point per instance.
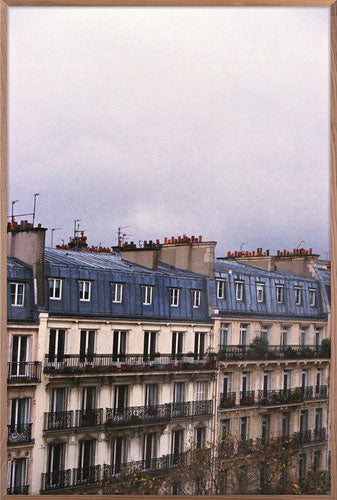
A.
x: 225, y: 427
x: 117, y: 292
x: 304, y: 419
x: 244, y: 428
x: 201, y: 391
x: 285, y: 335
x: 200, y: 437
x: 312, y: 297
x: 119, y: 345
x: 199, y: 344
x: 225, y: 331
x: 87, y: 345
x: 20, y: 352
x: 151, y: 394
x: 303, y: 336
x: 305, y: 378
x: 84, y: 290
x: 177, y: 442
x: 227, y: 383
x: 57, y: 407
x: 56, y: 345
x: 319, y: 380
x: 118, y: 453
x: 298, y: 296
x: 147, y: 295
x: 86, y: 458
x: 149, y: 449
x: 17, y: 294
x: 265, y: 427
x: 260, y: 292
x: 174, y: 297
x: 56, y: 464
x: 179, y: 408
x: 196, y: 298
x: 318, y: 336
x: 245, y: 383
x: 177, y: 342
x: 16, y: 475
x: 266, y: 382
x: 149, y: 345
x: 265, y: 332
x: 280, y: 294
x: 221, y: 289
x: 286, y: 380
x: 55, y: 288
x: 19, y: 418
x: 239, y: 294
x: 285, y: 425
x: 120, y: 398
x: 244, y: 340
x: 302, y: 466
x: 318, y: 419
x: 316, y: 462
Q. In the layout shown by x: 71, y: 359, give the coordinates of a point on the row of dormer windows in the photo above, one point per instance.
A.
x: 260, y: 292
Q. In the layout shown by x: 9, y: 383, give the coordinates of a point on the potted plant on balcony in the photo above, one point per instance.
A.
x: 227, y: 403
x: 112, y: 368
x: 124, y: 367
x: 147, y: 367
x: 171, y: 366
x: 325, y: 348
x: 259, y: 348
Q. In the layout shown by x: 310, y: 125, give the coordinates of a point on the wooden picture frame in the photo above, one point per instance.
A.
x: 5, y: 4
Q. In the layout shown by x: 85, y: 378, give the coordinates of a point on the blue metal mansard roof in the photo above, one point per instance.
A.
x: 270, y: 307
x: 324, y: 277
x: 19, y: 272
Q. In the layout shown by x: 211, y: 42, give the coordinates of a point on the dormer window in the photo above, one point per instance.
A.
x: 196, y: 298
x: 312, y: 297
x: 239, y: 290
x: 117, y: 292
x: 298, y: 296
x: 280, y: 294
x: 147, y: 295
x: 55, y: 288
x: 17, y: 294
x: 84, y: 291
x: 220, y: 289
x: 174, y: 297
x: 260, y: 292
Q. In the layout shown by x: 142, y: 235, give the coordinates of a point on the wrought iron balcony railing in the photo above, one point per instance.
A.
x: 319, y: 435
x: 247, y: 398
x: 18, y: 490
x: 320, y: 391
x: 56, y: 480
x: 23, y: 373
x: 245, y: 446
x: 298, y: 439
x: 136, y: 415
x: 110, y: 363
x: 86, y: 475
x: 58, y: 420
x: 284, y: 396
x: 89, y: 418
x: 240, y: 352
x: 227, y: 400
x: 19, y: 433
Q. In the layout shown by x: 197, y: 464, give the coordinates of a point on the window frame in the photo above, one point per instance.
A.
x: 174, y: 296
x: 117, y: 296
x: 260, y: 287
x: 148, y: 294
x: 312, y: 297
x: 298, y: 295
x: 53, y: 297
x: 16, y: 294
x: 280, y: 289
x: 83, y: 291
x: 239, y: 285
x: 221, y: 283
x: 196, y: 299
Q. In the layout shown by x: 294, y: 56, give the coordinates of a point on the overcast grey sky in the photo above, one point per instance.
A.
x: 211, y: 121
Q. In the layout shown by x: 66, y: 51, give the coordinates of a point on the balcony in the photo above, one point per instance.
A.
x: 245, y: 446
x: 89, y: 418
x: 59, y: 420
x: 18, y: 490
x: 19, y: 434
x: 24, y: 373
x: 139, y: 415
x: 320, y: 392
x: 319, y: 435
x: 127, y: 363
x: 58, y: 480
x: 247, y: 398
x: 86, y: 475
x: 243, y: 352
x: 285, y: 396
x: 227, y: 400
x: 296, y: 440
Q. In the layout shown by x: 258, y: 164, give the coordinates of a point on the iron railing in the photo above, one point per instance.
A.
x: 319, y: 435
x: 284, y: 396
x: 89, y: 418
x: 227, y: 400
x: 19, y: 433
x: 320, y: 391
x: 56, y: 480
x: 24, y: 372
x: 240, y: 352
x: 106, y: 363
x: 86, y: 475
x: 247, y: 398
x: 245, y: 446
x: 58, y: 420
x: 18, y: 490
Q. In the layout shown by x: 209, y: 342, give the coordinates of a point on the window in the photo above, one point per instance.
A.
x: 147, y: 295
x: 149, y: 345
x: 227, y: 383
x: 312, y: 297
x: 57, y: 418
x: 316, y: 462
x: 87, y: 345
x: 260, y: 292
x: 244, y: 334
x: 17, y: 294
x: 305, y: 378
x: 303, y: 336
x: 200, y: 437
x: 302, y: 466
x: 266, y: 382
x: 20, y: 355
x: 55, y: 465
x: 177, y: 442
x: 121, y: 399
x: 117, y: 292
x: 239, y: 290
x: 244, y: 428
x: 245, y: 383
x: 18, y: 429
x: 265, y: 332
x: 56, y: 345
x: 298, y: 296
x: 265, y: 427
x: 280, y: 294
x: 16, y: 475
x: 225, y: 427
x: 199, y: 345
x: 286, y: 380
x: 285, y: 334
x: 225, y: 330
x: 149, y: 450
x: 118, y: 453
x: 86, y: 459
x: 174, y: 297
x: 304, y: 416
x: 119, y: 345
x: 318, y: 420
x: 285, y: 425
x: 221, y: 289
x: 196, y: 296
x: 201, y: 391
x: 84, y: 290
x: 55, y: 288
x: 179, y: 408
x: 151, y: 394
x: 177, y: 342
x: 318, y: 336
x: 319, y: 381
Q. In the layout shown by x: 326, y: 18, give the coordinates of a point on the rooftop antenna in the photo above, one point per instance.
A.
x: 241, y: 246
x: 121, y: 236
x: 300, y: 243
x: 34, y: 209
x: 13, y: 203
x: 52, y: 235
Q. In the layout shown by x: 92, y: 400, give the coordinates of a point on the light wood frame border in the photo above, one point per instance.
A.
x: 4, y: 4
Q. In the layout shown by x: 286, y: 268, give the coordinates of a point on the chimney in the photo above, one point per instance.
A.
x: 26, y: 243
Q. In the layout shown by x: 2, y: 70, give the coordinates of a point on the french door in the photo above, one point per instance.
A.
x: 20, y: 355
x: 56, y: 345
x: 87, y: 346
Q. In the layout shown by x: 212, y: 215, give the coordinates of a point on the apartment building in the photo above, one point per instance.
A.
x: 145, y: 349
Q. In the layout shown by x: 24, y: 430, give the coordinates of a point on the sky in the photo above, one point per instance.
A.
x: 172, y: 121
